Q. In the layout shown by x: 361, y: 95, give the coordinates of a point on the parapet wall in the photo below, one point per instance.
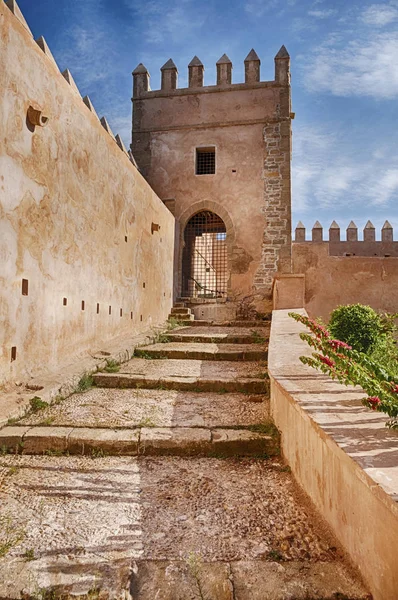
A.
x: 81, y: 262
x: 341, y: 454
x: 352, y: 246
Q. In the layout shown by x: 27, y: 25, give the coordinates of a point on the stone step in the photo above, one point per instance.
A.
x: 182, y: 318
x: 218, y: 338
x: 130, y: 408
x: 205, y: 323
x: 180, y: 310
x: 243, y: 580
x: 195, y: 384
x: 229, y: 352
x: 142, y: 441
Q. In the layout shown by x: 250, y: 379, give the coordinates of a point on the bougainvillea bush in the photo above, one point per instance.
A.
x: 351, y: 367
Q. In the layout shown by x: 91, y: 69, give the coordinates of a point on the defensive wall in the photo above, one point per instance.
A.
x: 337, y: 271
x: 247, y: 126
x: 86, y: 246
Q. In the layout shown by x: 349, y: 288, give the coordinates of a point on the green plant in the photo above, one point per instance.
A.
x: 97, y: 453
x: 173, y: 323
x: 47, y: 421
x: 29, y: 555
x: 358, y: 325
x: 85, y: 383
x: 351, y: 367
x: 112, y: 366
x: 10, y: 536
x: 257, y: 337
x: 37, y: 404
x: 275, y: 555
x: 13, y: 420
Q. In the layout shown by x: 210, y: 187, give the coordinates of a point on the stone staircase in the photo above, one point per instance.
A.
x: 164, y: 481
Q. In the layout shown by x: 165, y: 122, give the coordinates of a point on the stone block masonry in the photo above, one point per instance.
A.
x: 80, y: 262
x: 247, y: 128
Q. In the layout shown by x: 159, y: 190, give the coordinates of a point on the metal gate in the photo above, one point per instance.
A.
x: 204, y: 258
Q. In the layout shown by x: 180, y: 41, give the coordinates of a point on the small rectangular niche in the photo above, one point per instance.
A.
x: 121, y: 312
x: 65, y: 301
x: 25, y: 287
x: 140, y: 317
x: 131, y: 315
x: 143, y: 285
x: 13, y: 353
x: 97, y: 308
x: 110, y: 310
x: 125, y: 238
x: 83, y: 305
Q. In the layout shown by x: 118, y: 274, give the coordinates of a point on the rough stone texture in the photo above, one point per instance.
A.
x: 334, y: 280
x: 249, y: 125
x: 152, y: 408
x: 204, y: 351
x: 68, y: 198
x: 194, y: 368
x: 87, y: 519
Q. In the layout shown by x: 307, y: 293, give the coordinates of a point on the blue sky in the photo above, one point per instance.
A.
x: 344, y: 80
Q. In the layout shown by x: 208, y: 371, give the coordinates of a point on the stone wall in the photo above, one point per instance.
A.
x: 249, y: 124
x: 341, y: 454
x: 347, y: 271
x: 80, y: 260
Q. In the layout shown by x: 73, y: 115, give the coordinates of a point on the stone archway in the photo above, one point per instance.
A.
x: 206, y: 237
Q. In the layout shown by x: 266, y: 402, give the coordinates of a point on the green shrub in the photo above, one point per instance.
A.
x: 357, y: 325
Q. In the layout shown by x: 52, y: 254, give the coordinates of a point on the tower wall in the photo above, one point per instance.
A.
x: 249, y: 125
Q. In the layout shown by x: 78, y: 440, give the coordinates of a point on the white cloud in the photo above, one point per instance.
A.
x: 379, y: 15
x: 366, y: 66
x: 322, y: 14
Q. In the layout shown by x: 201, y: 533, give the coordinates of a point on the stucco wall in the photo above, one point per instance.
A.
x: 341, y: 454
x: 334, y: 280
x: 249, y: 125
x: 69, y: 200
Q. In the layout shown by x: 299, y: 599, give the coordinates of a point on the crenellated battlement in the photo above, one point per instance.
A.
x: 224, y: 66
x: 351, y: 246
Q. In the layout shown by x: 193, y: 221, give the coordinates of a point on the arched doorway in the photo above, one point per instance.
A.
x: 204, y: 257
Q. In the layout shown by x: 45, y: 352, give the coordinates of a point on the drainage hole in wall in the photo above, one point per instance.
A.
x: 110, y: 310
x: 65, y: 301
x: 121, y: 312
x: 125, y: 238
x: 97, y: 308
x: 25, y: 287
x: 140, y: 317
x: 83, y: 304
x: 13, y: 353
x: 143, y: 285
x: 233, y: 170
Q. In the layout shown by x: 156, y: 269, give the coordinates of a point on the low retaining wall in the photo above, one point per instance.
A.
x: 341, y: 453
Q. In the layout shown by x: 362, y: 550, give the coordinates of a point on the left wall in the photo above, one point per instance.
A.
x: 76, y: 221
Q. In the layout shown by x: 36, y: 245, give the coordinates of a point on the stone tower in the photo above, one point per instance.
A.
x: 219, y: 157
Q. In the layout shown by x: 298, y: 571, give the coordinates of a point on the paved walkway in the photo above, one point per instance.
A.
x: 164, y: 482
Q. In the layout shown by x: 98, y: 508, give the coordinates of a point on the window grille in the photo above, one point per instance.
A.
x: 205, y: 161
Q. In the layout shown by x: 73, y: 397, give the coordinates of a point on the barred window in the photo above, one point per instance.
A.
x: 205, y: 161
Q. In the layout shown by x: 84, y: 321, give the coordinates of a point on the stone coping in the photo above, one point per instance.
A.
x: 336, y: 409
x: 340, y: 453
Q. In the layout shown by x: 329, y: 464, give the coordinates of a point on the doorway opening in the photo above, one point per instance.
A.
x: 204, y: 257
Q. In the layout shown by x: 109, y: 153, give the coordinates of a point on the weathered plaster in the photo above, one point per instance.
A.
x: 69, y: 198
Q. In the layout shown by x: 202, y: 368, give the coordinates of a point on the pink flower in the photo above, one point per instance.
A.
x: 394, y: 388
x: 326, y: 361
x: 373, y: 402
x: 336, y: 344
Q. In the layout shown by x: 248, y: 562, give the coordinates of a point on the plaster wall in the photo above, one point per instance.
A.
x: 334, y: 280
x: 75, y: 221
x: 341, y: 454
x: 248, y: 125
